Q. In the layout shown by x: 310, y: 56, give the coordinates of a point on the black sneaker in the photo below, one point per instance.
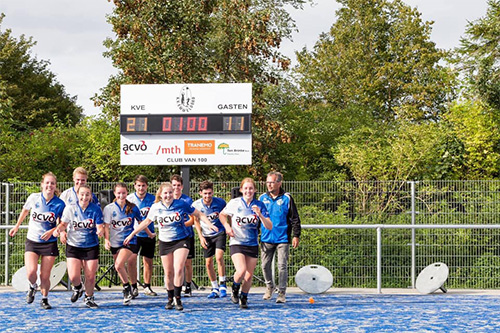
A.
x: 235, y: 297
x: 45, y: 304
x: 90, y: 303
x: 77, y: 293
x: 243, y: 302
x: 188, y: 292
x: 170, y: 304
x: 127, y: 297
x: 30, y: 296
x: 178, y: 304
x: 135, y: 292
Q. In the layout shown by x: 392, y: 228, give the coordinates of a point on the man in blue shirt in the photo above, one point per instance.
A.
x: 286, y: 230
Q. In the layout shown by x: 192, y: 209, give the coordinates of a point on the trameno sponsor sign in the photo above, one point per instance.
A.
x: 186, y: 124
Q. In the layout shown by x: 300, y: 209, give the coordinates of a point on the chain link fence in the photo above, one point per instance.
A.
x: 350, y: 254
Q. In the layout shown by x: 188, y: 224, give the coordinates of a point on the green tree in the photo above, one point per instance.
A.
x: 202, y: 41
x: 30, y: 96
x: 479, y: 56
x: 378, y: 56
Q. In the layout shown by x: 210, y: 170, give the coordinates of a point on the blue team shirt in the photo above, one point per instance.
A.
x: 278, y: 212
x: 188, y: 200
x: 120, y: 223
x: 43, y: 216
x: 212, y: 212
x: 244, y: 222
x: 171, y: 219
x: 144, y: 205
x: 82, y: 224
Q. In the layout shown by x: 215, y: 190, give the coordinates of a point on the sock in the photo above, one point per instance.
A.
x: 170, y: 294
x: 134, y: 285
x: 33, y: 286
x: 215, y: 284
x: 177, y: 291
x: 222, y: 279
x: 45, y: 297
x: 147, y: 285
x: 243, y: 294
x: 78, y: 287
x: 126, y: 285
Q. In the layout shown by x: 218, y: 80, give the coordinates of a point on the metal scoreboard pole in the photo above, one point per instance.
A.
x: 185, y: 179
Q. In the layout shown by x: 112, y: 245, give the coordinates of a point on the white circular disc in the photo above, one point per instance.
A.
x: 432, y: 277
x: 314, y: 279
x: 20, y: 279
x: 57, y: 273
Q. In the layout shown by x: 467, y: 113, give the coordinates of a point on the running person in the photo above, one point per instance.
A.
x: 119, y: 218
x: 45, y: 210
x: 83, y: 224
x: 146, y: 240
x: 178, y: 185
x: 246, y: 214
x: 69, y: 196
x: 170, y: 214
x: 213, y: 242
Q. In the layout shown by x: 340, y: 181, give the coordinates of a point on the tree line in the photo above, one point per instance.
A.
x: 374, y: 99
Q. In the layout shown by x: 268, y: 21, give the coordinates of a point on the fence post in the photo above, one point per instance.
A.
x: 413, y: 247
x: 379, y: 260
x: 7, y: 222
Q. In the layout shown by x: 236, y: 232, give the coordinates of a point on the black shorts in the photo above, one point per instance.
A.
x: 190, y: 241
x: 213, y: 243
x: 132, y: 247
x: 42, y: 249
x: 146, y: 246
x: 170, y: 247
x: 82, y: 253
x: 251, y: 251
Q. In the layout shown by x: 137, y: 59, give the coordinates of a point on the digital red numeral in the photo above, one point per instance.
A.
x: 202, y: 124
x: 191, y: 124
x: 167, y: 124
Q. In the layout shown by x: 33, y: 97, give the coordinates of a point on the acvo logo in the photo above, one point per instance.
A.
x: 87, y: 224
x: 44, y: 217
x: 131, y: 147
x: 250, y: 219
x: 169, y: 219
x: 121, y: 223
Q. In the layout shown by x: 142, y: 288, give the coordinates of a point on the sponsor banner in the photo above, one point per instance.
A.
x: 178, y: 150
x: 200, y: 98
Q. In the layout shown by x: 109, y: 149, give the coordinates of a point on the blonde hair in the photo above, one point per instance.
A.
x: 160, y: 189
x: 80, y: 170
x: 56, y: 191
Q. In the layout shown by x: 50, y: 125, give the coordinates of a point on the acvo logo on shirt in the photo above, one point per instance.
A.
x: 249, y: 219
x: 121, y: 223
x: 169, y: 219
x: 87, y: 224
x: 44, y: 217
x: 214, y: 216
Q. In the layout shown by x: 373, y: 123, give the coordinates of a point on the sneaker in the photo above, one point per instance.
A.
x: 45, y: 304
x: 30, y: 296
x: 127, y: 297
x: 90, y: 303
x: 188, y: 292
x: 178, y: 304
x: 235, y: 297
x: 214, y: 293
x: 268, y: 294
x: 134, y: 292
x: 149, y: 292
x: 281, y: 297
x: 223, y: 290
x: 243, y: 302
x: 77, y: 293
x: 170, y: 304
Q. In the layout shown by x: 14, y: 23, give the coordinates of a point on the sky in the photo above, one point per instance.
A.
x: 70, y: 34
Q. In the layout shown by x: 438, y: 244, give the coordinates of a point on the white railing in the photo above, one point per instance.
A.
x: 377, y: 227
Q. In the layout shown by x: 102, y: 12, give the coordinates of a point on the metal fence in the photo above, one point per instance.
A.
x: 347, y: 244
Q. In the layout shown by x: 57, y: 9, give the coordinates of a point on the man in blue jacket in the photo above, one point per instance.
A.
x: 286, y: 230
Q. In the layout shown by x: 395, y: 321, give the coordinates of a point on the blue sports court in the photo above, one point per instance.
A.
x: 334, y: 311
